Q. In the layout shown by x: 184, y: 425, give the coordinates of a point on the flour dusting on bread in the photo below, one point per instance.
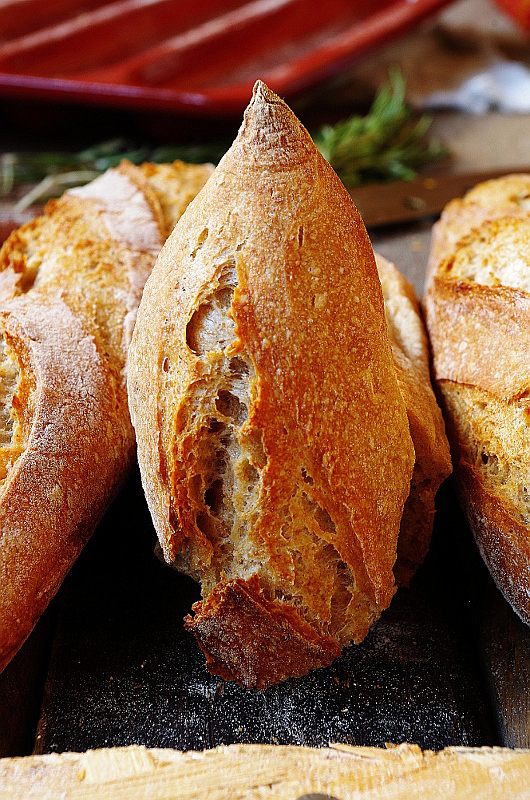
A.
x: 127, y: 214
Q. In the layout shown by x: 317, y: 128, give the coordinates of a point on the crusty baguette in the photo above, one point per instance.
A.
x: 70, y: 284
x: 269, y: 772
x: 273, y: 440
x: 410, y: 351
x: 478, y: 314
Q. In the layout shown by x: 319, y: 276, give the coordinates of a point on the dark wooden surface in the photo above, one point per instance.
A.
x: 408, y: 201
x: 123, y: 670
x: 503, y: 646
x: 21, y: 689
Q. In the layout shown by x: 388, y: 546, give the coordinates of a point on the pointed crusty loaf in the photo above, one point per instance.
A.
x: 410, y: 351
x: 478, y: 317
x: 272, y: 437
x: 70, y: 284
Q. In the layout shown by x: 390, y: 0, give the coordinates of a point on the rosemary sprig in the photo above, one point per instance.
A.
x: 54, y: 186
x: 386, y: 144
x: 18, y: 168
x: 55, y: 172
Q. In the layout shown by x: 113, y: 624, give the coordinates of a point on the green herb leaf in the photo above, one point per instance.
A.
x: 386, y: 144
x: 54, y: 186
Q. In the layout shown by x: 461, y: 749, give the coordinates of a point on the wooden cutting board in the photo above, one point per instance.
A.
x: 421, y: 198
x: 271, y: 773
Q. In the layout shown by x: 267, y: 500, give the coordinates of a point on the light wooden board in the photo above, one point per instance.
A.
x: 270, y: 773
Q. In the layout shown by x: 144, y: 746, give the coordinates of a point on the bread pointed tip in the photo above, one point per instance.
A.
x: 260, y: 88
x: 270, y: 132
x: 265, y: 107
x: 262, y: 93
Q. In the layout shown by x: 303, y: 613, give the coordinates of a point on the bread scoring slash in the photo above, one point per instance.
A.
x: 273, y: 440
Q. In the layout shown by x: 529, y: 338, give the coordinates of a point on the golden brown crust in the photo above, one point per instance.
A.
x: 273, y: 440
x: 175, y: 186
x: 477, y: 313
x: 433, y: 460
x: 70, y: 284
x: 488, y: 201
x: 432, y: 466
x: 507, y: 555
x: 241, y: 633
x: 502, y: 537
x: 78, y: 454
x: 479, y: 336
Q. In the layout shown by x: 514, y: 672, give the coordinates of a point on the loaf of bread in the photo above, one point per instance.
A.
x: 273, y: 440
x: 478, y: 314
x: 70, y: 285
x: 410, y: 351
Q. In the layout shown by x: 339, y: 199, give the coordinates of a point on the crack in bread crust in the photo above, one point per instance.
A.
x: 221, y: 451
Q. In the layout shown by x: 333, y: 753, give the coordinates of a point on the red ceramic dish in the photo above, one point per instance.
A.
x: 201, y: 56
x: 519, y: 10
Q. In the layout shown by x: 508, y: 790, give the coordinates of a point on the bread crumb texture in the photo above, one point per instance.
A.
x: 70, y: 285
x: 272, y: 436
x: 478, y: 316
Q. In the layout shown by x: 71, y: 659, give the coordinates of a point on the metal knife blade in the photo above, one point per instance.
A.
x: 425, y: 196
